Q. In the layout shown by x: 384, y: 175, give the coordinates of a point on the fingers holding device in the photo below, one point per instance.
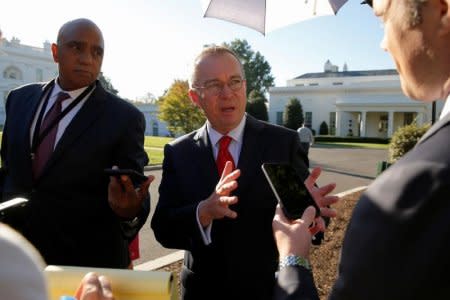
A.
x: 289, y: 189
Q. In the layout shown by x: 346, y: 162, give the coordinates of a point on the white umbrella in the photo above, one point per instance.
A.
x: 268, y: 15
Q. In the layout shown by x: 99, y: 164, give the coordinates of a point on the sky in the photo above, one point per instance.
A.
x: 150, y: 43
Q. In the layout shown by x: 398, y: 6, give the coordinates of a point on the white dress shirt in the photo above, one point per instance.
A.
x: 64, y: 122
x: 234, y: 148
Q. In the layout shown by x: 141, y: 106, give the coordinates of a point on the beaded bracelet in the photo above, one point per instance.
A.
x: 294, y: 260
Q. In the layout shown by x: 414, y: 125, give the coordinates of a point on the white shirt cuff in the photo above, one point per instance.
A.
x: 205, y: 232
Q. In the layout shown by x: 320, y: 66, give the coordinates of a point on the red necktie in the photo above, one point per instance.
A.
x: 224, y: 155
x: 45, y: 148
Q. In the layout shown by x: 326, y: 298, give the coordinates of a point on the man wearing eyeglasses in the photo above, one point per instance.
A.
x: 397, y: 243
x: 214, y: 200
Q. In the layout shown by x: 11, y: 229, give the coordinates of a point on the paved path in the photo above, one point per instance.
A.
x: 349, y: 168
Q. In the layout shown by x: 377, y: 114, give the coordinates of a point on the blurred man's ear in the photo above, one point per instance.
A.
x: 445, y: 16
x: 194, y: 97
x: 55, y: 52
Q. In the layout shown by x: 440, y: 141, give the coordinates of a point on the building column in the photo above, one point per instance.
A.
x: 362, y: 129
x: 390, y: 129
x: 338, y: 123
x: 419, y: 118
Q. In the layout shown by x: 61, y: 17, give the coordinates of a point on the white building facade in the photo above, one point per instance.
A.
x: 21, y: 64
x: 154, y: 126
x: 352, y: 103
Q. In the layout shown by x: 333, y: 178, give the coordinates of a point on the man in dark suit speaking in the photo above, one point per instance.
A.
x: 397, y: 243
x: 220, y: 216
x: 58, y: 139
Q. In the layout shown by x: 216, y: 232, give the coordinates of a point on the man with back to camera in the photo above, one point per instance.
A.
x: 222, y: 215
x: 306, y: 138
x: 76, y: 215
x: 398, y: 239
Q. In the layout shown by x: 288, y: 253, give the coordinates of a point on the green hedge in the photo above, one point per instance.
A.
x: 404, y: 139
x: 338, y: 139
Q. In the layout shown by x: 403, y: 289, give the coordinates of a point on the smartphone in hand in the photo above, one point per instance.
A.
x: 11, y: 209
x: 289, y: 189
x: 136, y: 177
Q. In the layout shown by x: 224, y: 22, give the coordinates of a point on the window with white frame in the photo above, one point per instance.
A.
x: 332, y: 129
x: 308, y: 119
x: 279, y: 120
x: 12, y: 73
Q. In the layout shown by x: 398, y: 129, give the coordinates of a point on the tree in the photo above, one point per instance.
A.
x: 106, y: 83
x: 293, y: 114
x: 257, y: 69
x: 256, y: 106
x: 323, y: 129
x: 178, y: 111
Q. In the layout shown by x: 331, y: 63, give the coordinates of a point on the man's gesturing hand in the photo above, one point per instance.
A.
x: 216, y: 205
x: 322, y: 197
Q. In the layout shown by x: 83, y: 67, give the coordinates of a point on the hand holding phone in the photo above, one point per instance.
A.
x: 289, y: 189
x: 136, y: 177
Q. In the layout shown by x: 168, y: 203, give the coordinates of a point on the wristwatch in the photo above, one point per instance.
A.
x: 294, y: 260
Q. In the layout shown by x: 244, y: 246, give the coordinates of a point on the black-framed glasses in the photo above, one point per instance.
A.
x: 368, y: 2
x: 215, y: 87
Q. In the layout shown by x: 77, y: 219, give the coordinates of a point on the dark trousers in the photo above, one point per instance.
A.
x: 305, y: 147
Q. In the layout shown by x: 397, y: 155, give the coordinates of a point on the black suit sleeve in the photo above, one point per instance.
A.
x: 4, y: 162
x: 130, y: 153
x: 174, y: 209
x: 295, y: 283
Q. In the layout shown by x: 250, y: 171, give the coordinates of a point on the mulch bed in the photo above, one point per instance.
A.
x: 325, y: 257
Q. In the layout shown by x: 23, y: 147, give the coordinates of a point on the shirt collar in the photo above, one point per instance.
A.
x: 73, y: 94
x: 446, y: 108
x: 236, y: 134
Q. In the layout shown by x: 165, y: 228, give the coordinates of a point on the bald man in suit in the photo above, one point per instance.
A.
x: 76, y: 214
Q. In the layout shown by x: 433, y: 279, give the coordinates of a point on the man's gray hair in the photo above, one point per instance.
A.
x: 212, y: 50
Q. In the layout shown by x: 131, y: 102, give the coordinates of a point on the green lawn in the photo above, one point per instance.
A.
x: 352, y: 145
x: 156, y: 141
x: 154, y: 146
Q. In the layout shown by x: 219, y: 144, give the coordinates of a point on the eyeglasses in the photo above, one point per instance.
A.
x: 216, y: 87
x: 368, y: 2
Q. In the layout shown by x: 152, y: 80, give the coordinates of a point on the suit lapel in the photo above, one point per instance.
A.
x: 30, y: 109
x: 442, y: 122
x: 205, y: 158
x: 27, y: 117
x: 81, y: 122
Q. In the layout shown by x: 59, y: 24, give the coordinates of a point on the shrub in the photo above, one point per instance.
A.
x: 323, y: 130
x: 404, y: 139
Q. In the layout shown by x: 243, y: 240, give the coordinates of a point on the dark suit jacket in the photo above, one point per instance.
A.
x: 241, y: 260
x: 68, y: 217
x: 397, y: 243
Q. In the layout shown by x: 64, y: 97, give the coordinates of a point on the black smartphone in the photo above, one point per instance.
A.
x: 289, y: 189
x: 136, y: 177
